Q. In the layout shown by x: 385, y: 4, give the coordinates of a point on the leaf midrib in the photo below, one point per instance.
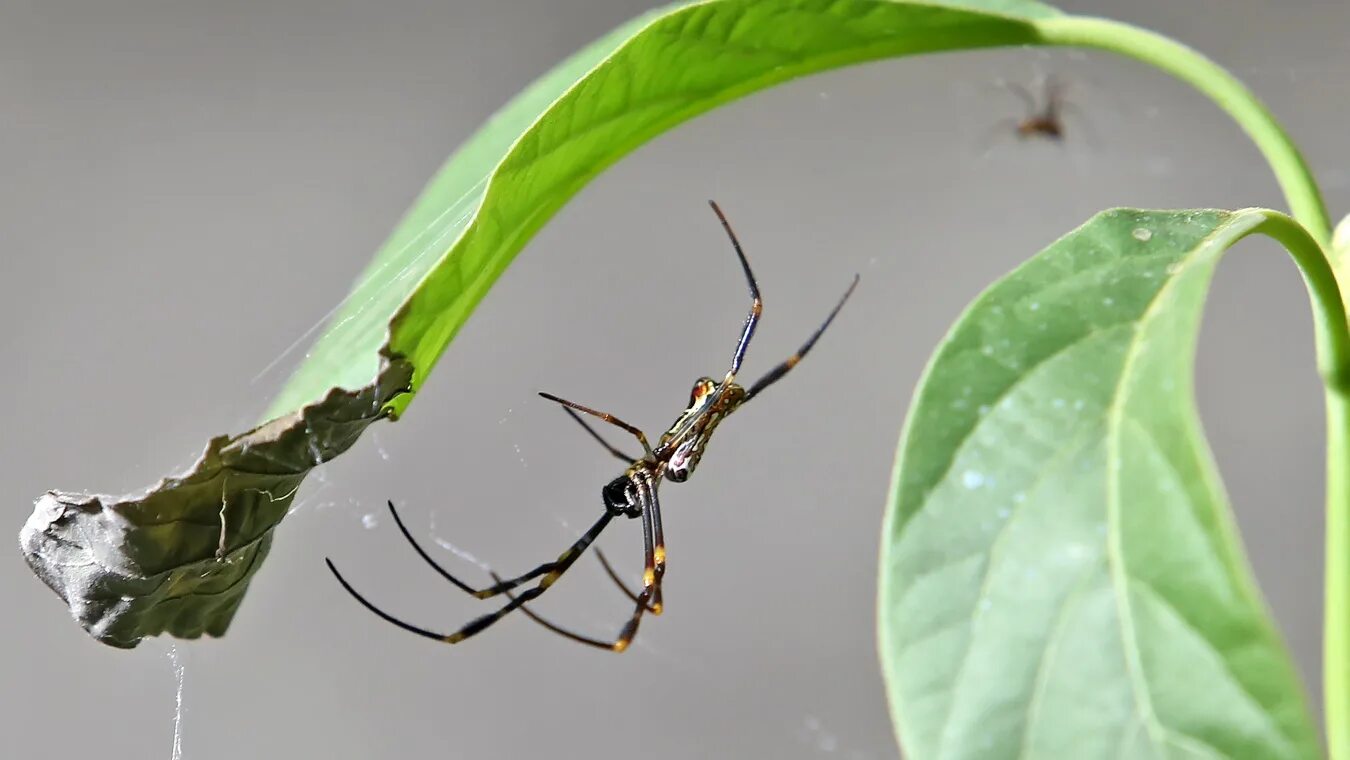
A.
x: 1114, y: 550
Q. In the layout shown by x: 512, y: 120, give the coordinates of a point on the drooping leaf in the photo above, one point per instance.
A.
x: 1060, y: 572
x: 149, y: 563
x: 178, y: 557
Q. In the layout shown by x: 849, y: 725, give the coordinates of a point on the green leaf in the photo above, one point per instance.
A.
x: 177, y: 557
x: 1060, y: 572
x: 645, y: 77
x: 681, y: 64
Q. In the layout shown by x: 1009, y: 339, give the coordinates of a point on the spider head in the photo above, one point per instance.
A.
x: 618, y: 498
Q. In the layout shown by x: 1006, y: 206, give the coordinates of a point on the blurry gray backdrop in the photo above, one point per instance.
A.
x: 188, y: 186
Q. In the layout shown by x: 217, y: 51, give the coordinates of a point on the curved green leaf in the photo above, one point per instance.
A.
x: 177, y: 557
x: 682, y: 64
x: 1060, y: 574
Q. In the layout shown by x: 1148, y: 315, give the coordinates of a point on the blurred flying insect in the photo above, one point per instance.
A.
x: 632, y: 494
x: 1043, y: 118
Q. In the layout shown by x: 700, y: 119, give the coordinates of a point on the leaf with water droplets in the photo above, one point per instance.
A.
x: 1060, y: 575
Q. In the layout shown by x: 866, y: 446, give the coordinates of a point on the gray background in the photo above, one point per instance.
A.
x: 188, y: 186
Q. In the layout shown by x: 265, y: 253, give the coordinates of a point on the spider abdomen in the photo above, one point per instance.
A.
x: 620, y: 498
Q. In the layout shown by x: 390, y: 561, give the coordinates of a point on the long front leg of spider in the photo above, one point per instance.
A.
x: 477, y: 625
x: 773, y: 375
x: 756, y: 303
x: 677, y: 433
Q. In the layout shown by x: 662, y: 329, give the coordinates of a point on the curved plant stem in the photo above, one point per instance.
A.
x: 1333, y: 356
x: 1329, y: 310
x: 1292, y: 172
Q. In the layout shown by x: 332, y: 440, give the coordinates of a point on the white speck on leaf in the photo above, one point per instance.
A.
x: 972, y: 479
x: 1142, y: 234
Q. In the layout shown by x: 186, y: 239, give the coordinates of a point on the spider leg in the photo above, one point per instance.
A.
x: 653, y: 570
x: 747, y: 331
x: 653, y: 506
x: 560, y: 566
x: 577, y: 637
x: 756, y: 303
x: 599, y: 438
x: 607, y: 417
x: 481, y: 593
x: 614, y: 576
x: 774, y: 374
x: 379, y: 612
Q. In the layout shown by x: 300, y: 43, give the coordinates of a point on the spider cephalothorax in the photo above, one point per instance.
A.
x: 682, y: 446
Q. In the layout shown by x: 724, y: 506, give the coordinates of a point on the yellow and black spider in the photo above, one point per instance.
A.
x: 632, y: 494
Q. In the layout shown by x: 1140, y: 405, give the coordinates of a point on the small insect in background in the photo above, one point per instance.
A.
x: 632, y: 494
x: 1043, y: 117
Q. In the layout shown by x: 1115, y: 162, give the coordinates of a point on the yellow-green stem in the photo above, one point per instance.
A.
x: 1333, y: 355
x: 1336, y: 636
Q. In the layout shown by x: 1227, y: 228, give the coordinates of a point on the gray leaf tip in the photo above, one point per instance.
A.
x: 177, y: 557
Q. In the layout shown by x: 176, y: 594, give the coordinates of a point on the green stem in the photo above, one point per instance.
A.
x: 1329, y: 309
x: 1336, y: 627
x: 1292, y: 172
x: 1333, y: 356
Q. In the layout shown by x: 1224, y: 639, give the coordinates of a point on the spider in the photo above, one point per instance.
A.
x: 633, y: 494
